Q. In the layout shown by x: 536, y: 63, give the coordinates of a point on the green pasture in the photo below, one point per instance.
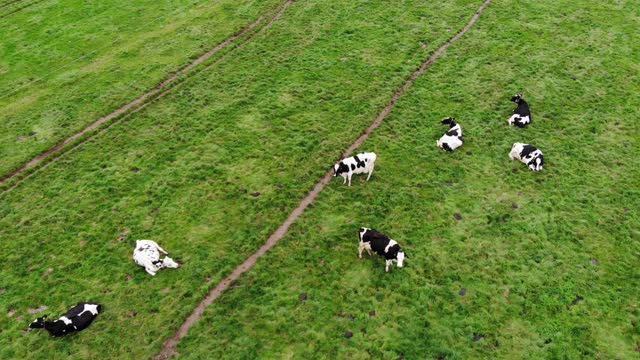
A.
x: 65, y: 63
x: 208, y: 171
x: 539, y: 266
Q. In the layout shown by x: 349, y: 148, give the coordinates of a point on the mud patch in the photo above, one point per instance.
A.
x: 123, y: 235
x: 40, y: 308
x: 576, y: 300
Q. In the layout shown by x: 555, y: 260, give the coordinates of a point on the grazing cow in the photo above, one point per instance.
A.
x: 528, y: 154
x: 147, y: 254
x: 374, y: 240
x: 452, y: 139
x: 77, y: 318
x: 521, y: 115
x: 362, y: 163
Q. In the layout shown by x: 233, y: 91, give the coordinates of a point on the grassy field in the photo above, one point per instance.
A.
x: 65, y: 63
x: 539, y: 266
x: 208, y: 171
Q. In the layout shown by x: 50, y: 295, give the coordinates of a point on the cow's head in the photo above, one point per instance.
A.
x: 516, y: 98
x: 516, y: 149
x: 400, y: 258
x: 168, y: 262
x: 56, y: 328
x: 449, y: 121
x: 340, y: 168
x: 38, y: 323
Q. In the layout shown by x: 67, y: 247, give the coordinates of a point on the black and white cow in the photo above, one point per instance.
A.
x: 77, y: 318
x: 362, y: 163
x: 378, y: 242
x: 528, y: 154
x: 147, y: 254
x: 521, y: 115
x: 452, y: 139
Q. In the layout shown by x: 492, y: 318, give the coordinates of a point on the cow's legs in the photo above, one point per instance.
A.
x: 150, y: 271
x: 349, y: 176
x: 370, y: 172
x: 162, y: 250
x: 360, y: 248
x: 387, y: 267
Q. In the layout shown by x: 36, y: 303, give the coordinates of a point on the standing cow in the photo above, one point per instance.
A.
x: 362, y: 163
x: 147, y: 254
x: 371, y: 239
x: 77, y: 318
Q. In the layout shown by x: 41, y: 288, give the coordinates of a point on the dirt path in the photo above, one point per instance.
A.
x: 137, y: 104
x: 9, y: 3
x: 169, y: 347
x: 17, y: 9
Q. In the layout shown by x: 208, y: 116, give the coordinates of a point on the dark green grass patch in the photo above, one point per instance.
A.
x: 536, y: 265
x: 209, y: 172
x: 64, y: 64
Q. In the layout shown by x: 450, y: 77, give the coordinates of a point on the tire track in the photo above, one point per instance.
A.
x: 169, y: 347
x: 46, y: 157
x: 9, y: 3
x: 17, y: 9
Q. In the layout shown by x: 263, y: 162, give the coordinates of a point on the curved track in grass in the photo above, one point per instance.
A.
x: 169, y: 347
x: 102, y: 123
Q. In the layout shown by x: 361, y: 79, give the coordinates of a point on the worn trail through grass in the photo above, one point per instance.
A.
x: 209, y: 171
x: 169, y: 348
x: 137, y: 104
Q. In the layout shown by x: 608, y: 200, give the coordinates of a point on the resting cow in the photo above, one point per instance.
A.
x: 77, y: 318
x: 147, y: 254
x: 378, y: 242
x: 362, y: 163
x: 452, y: 139
x: 521, y: 115
x: 528, y: 154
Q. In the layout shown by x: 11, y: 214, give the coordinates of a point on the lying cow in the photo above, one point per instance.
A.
x: 452, y: 139
x: 362, y: 163
x: 378, y: 242
x: 528, y: 154
x: 521, y: 115
x: 77, y: 318
x: 147, y: 254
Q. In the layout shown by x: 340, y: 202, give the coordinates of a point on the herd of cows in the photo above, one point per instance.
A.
x: 373, y: 240
x: 147, y: 253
